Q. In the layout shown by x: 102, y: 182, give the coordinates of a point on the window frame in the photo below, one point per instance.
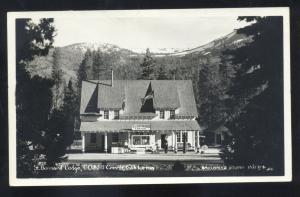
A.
x: 115, y: 138
x: 140, y: 136
x: 106, y: 114
x: 116, y: 114
x: 161, y: 114
x: 179, y: 136
x: 172, y: 114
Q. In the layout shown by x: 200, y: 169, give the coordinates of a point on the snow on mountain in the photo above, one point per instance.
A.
x: 103, y: 47
x: 232, y: 39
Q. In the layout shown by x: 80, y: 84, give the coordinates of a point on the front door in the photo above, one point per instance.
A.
x: 163, y: 140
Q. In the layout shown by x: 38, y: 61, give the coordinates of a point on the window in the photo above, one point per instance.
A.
x: 116, y: 113
x: 93, y: 138
x: 162, y: 114
x: 141, y: 140
x: 179, y: 137
x: 172, y: 114
x: 115, y: 138
x: 106, y: 114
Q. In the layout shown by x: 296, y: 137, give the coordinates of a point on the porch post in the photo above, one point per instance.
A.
x: 184, y: 136
x: 83, y: 142
x: 173, y: 140
x: 198, y: 141
x: 105, y: 142
x: 175, y: 143
x: 128, y: 139
x: 194, y: 140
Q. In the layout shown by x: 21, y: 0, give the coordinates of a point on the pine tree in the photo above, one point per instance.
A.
x: 57, y: 77
x: 42, y: 33
x: 212, y: 111
x: 33, y: 94
x: 69, y: 112
x: 257, y: 88
x: 85, y: 69
x: 147, y: 66
x: 161, y: 73
x: 99, y: 68
x: 61, y: 125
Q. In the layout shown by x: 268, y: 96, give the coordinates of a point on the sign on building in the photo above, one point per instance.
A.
x: 139, y: 127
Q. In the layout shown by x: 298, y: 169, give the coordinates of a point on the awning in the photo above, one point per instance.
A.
x: 121, y: 125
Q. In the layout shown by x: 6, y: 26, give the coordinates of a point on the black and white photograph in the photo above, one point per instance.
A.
x: 149, y: 96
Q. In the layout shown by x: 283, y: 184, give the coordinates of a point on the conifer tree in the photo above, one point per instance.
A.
x: 99, y: 68
x: 69, y: 113
x: 57, y: 77
x: 147, y: 66
x: 33, y: 93
x: 211, y: 92
x: 161, y: 73
x: 257, y: 126
x: 85, y: 69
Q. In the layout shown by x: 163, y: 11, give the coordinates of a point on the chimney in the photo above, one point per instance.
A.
x: 112, y: 78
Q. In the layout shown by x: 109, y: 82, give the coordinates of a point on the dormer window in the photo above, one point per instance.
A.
x: 116, y: 114
x: 162, y: 114
x: 106, y: 114
x: 172, y: 114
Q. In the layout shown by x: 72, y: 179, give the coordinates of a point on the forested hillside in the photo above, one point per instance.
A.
x: 203, y: 65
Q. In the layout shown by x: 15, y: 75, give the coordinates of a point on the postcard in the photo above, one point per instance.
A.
x: 149, y: 96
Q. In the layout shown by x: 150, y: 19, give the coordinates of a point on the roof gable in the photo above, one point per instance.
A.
x: 186, y: 98
x: 129, y: 95
x: 165, y: 94
x: 110, y: 97
x: 87, y: 90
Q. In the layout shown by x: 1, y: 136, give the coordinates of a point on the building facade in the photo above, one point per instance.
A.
x: 138, y: 116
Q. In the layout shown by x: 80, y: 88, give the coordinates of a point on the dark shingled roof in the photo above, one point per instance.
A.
x: 86, y: 95
x: 110, y: 97
x: 117, y: 125
x: 168, y: 94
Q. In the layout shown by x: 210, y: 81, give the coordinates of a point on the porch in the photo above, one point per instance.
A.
x: 139, y: 142
x: 140, y: 136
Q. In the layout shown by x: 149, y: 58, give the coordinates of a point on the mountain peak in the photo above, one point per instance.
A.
x: 94, y: 46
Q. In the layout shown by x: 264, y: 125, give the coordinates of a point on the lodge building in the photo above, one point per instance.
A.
x: 119, y: 116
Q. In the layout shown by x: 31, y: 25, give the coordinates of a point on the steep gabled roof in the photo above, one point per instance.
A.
x: 166, y: 94
x: 110, y: 97
x: 186, y: 98
x: 129, y: 94
x: 87, y: 90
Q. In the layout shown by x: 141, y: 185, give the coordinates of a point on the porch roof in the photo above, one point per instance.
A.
x: 119, y: 125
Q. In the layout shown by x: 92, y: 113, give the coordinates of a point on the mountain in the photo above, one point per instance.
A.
x: 231, y: 40
x: 174, y: 63
x: 69, y: 58
x: 126, y: 62
x: 103, y: 47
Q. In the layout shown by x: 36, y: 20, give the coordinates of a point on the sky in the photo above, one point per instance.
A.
x: 139, y: 33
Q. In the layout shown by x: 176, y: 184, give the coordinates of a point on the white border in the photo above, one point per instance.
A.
x: 11, y: 16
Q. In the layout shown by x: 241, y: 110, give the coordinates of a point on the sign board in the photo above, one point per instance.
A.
x: 139, y: 127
